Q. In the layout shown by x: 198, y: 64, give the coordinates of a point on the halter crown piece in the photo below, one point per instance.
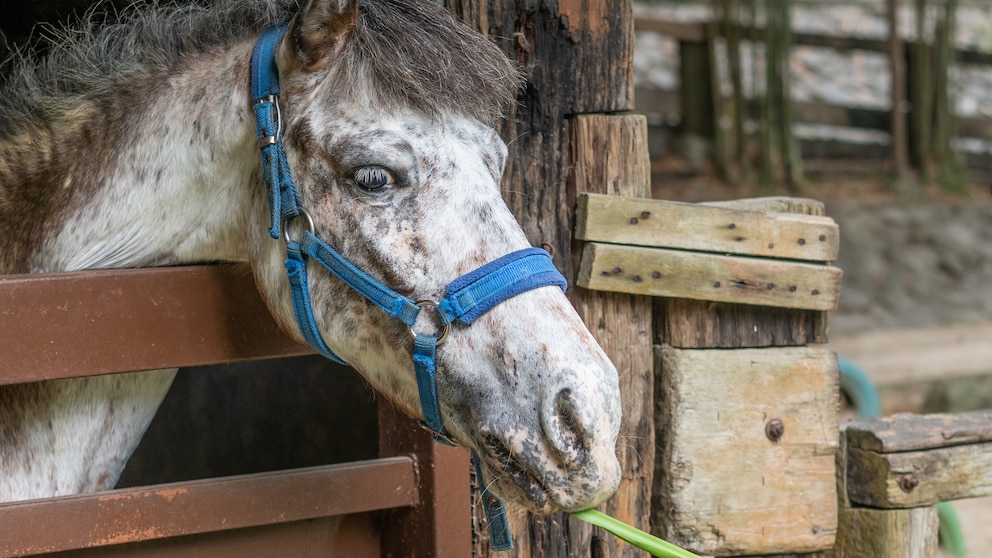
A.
x: 466, y: 298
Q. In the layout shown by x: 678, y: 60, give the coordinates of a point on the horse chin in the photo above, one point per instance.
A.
x: 529, y: 483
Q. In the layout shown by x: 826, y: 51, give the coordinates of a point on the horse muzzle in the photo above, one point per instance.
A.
x: 566, y: 460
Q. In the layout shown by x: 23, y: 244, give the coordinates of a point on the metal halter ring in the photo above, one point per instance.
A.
x: 445, y: 329
x: 302, y: 213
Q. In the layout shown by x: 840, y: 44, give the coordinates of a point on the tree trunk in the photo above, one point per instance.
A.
x: 577, y: 58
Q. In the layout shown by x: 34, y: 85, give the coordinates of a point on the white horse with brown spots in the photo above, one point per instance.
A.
x: 136, y: 145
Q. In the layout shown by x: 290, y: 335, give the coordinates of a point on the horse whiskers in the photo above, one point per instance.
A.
x: 624, y: 444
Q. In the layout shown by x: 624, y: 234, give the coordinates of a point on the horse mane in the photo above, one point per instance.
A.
x: 417, y: 53
x: 404, y: 52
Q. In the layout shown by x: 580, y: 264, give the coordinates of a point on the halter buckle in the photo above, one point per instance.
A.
x: 266, y: 141
x: 445, y: 326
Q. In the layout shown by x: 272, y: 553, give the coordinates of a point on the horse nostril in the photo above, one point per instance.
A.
x: 565, y: 430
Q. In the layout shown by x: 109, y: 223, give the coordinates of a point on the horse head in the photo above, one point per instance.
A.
x: 386, y: 112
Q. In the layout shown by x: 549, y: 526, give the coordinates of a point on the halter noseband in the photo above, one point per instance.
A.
x: 466, y: 298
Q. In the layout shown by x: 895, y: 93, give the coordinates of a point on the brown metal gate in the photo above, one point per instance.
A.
x: 413, y: 501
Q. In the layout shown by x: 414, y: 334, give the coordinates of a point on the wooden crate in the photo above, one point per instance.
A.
x: 746, y: 414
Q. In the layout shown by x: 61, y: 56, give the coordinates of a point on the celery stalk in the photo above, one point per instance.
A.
x: 645, y: 541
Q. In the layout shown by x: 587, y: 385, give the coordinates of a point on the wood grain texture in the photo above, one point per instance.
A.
x: 778, y: 204
x: 936, y: 475
x: 907, y: 432
x: 707, y: 228
x: 577, y: 58
x: 64, y: 325
x: 867, y: 532
x: 722, y: 486
x: 610, y: 156
x: 700, y: 276
x: 687, y: 324
x: 703, y: 323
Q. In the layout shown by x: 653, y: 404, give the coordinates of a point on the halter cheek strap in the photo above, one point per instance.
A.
x: 466, y: 298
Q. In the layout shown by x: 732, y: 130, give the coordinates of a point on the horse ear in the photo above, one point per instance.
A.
x: 320, y: 30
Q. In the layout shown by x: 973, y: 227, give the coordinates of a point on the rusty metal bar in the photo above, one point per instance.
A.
x: 349, y: 536
x: 173, y: 510
x: 89, y: 323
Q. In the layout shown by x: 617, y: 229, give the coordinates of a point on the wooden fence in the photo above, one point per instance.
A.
x: 697, y: 114
x: 413, y: 500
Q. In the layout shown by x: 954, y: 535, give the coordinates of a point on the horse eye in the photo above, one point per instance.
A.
x: 374, y: 178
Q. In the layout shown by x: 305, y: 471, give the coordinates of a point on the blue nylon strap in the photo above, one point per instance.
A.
x: 264, y: 72
x: 425, y: 362
x: 284, y: 202
x: 476, y: 292
x: 296, y: 270
x: 499, y: 528
x: 393, y: 303
x: 283, y: 198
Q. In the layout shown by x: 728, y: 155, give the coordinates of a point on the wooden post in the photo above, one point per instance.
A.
x: 577, y: 58
x: 898, y: 129
x: 440, y: 525
x: 903, y: 461
x: 922, y: 92
x: 698, y: 129
x: 763, y: 483
x: 610, y: 156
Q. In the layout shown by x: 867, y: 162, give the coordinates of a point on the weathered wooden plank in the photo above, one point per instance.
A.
x: 910, y: 533
x: 706, y: 324
x: 349, y: 536
x: 698, y: 276
x: 686, y: 324
x: 707, y: 228
x: 723, y: 487
x: 776, y: 204
x: 918, y: 478
x: 907, y: 432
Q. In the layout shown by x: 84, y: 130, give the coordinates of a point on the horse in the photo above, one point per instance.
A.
x: 135, y: 143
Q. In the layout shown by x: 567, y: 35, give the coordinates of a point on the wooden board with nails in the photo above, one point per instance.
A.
x: 746, y: 440
x: 910, y: 460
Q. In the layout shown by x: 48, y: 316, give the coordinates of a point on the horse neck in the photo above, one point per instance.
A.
x: 157, y: 172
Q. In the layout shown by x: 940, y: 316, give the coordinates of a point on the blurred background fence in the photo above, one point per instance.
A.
x: 741, y: 95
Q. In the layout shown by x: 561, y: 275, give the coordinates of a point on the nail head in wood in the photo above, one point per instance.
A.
x: 774, y: 429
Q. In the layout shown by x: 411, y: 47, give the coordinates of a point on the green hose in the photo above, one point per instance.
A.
x: 860, y: 389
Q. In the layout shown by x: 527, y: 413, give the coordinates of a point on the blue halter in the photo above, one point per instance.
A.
x: 466, y: 298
